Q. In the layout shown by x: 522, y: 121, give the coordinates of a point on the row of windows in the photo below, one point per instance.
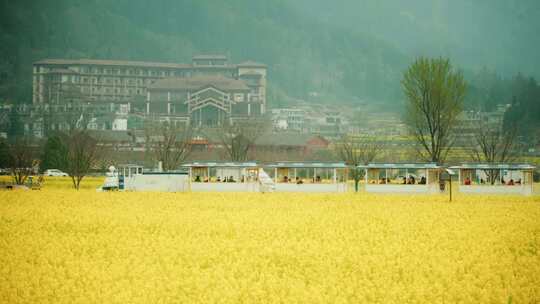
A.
x: 97, y: 90
x: 116, y: 81
x: 143, y: 72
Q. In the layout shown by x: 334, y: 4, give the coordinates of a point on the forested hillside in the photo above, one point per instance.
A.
x: 500, y: 34
x: 304, y: 55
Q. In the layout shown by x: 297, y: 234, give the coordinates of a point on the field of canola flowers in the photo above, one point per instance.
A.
x: 62, y: 246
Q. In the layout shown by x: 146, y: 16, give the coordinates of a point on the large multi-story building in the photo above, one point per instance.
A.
x: 207, y: 91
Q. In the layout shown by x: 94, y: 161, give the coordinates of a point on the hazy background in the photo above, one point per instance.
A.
x: 322, y: 51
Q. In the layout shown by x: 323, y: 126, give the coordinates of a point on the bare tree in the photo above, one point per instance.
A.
x: 19, y: 156
x: 357, y: 150
x: 239, y: 137
x: 434, y: 98
x: 491, y: 144
x: 169, y: 144
x: 81, y: 155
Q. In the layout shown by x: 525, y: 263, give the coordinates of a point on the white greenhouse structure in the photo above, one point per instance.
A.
x: 495, y: 178
x: 402, y: 178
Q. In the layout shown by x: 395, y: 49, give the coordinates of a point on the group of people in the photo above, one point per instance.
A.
x: 410, y: 180
x: 299, y: 181
x: 225, y: 179
x: 511, y: 182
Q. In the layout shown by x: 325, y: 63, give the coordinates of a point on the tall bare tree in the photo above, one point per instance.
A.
x: 81, y: 155
x: 239, y: 137
x: 434, y: 98
x: 491, y: 144
x: 169, y: 144
x: 357, y: 150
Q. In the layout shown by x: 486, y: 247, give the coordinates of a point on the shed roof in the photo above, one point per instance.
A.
x: 221, y: 165
x: 400, y: 166
x: 320, y: 165
x: 495, y: 166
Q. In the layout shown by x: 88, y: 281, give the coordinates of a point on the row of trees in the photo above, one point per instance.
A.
x: 74, y: 153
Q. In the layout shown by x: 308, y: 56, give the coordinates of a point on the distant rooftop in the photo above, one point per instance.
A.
x: 122, y: 63
x: 146, y: 64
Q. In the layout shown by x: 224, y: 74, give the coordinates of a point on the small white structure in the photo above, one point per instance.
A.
x: 111, y: 180
x: 402, y: 178
x: 495, y: 178
x: 224, y: 177
x: 134, y: 178
x: 308, y: 177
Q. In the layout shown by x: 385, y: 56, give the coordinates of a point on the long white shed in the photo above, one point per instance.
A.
x: 482, y: 178
x: 135, y: 178
x: 223, y: 176
x: 308, y: 176
x: 402, y: 178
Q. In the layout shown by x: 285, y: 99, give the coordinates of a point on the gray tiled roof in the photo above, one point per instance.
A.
x: 495, y: 166
x: 400, y: 166
x: 320, y: 165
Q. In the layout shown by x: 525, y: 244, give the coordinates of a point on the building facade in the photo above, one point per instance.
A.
x: 207, y: 90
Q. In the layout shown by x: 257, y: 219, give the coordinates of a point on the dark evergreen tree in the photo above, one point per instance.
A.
x: 54, y: 153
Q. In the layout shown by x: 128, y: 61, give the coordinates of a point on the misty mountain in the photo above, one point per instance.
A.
x: 500, y: 34
x: 307, y: 58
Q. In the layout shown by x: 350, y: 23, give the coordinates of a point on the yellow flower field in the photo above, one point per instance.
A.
x: 62, y: 246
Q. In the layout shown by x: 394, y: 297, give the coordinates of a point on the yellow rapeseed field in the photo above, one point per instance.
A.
x: 58, y: 245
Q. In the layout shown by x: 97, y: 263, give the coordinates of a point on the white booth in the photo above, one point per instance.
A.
x: 308, y: 176
x: 495, y: 178
x: 402, y: 178
x: 223, y: 176
x: 135, y: 178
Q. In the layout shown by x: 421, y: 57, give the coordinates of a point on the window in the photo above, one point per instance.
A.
x: 238, y: 97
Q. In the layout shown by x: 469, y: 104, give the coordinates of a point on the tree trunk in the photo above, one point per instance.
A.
x: 75, y: 184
